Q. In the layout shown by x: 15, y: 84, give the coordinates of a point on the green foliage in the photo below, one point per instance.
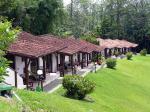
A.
x: 143, y: 52
x: 90, y: 38
x: 111, y: 63
x: 120, y: 19
x: 35, y: 16
x: 77, y: 86
x: 112, y: 87
x: 7, y: 36
x: 129, y: 55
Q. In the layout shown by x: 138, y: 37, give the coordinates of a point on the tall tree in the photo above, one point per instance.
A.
x: 35, y: 16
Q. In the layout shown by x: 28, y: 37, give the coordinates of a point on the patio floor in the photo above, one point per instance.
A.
x: 58, y: 81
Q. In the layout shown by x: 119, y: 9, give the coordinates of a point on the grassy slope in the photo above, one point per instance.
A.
x: 125, y: 89
x: 8, y: 105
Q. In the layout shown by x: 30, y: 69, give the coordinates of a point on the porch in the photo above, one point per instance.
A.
x: 50, y: 87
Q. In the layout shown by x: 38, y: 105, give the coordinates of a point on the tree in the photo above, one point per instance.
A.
x: 7, y: 36
x: 35, y: 16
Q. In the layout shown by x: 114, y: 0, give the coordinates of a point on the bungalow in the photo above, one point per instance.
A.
x: 111, y: 46
x: 78, y: 53
x: 30, y: 53
x: 48, y: 53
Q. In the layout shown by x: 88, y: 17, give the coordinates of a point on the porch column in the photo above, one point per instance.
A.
x: 62, y: 62
x: 90, y: 56
x: 118, y: 49
x: 105, y: 52
x: 57, y: 60
x: 16, y: 80
x: 51, y: 63
x: 114, y: 51
x: 97, y: 55
x: 44, y: 67
x: 87, y: 58
x: 82, y: 62
x: 71, y: 58
x: 125, y: 50
x: 79, y: 58
x: 27, y: 72
x: 110, y: 52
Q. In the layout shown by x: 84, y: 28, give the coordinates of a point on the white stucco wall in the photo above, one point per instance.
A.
x: 80, y: 56
x: 54, y: 61
x: 75, y: 57
x: 40, y: 62
x: 67, y: 59
x: 19, y: 65
x: 10, y: 79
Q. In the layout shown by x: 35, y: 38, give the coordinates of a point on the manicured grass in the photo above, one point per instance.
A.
x: 9, y: 105
x: 126, y: 89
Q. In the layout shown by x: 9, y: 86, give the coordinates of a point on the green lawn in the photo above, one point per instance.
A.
x: 9, y: 105
x: 126, y: 89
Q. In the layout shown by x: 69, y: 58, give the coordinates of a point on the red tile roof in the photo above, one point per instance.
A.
x: 78, y: 45
x: 74, y: 46
x: 109, y: 43
x: 29, y: 45
x: 91, y: 47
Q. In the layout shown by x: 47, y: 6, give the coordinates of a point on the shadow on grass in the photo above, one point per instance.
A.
x: 111, y: 68
x: 86, y: 99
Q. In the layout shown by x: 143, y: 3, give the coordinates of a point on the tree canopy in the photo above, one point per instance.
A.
x: 122, y: 19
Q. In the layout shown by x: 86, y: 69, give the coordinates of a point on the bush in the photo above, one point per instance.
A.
x: 77, y: 86
x: 111, y: 63
x: 143, y: 52
x: 129, y: 55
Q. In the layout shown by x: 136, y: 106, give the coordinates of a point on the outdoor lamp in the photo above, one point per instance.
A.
x: 39, y: 72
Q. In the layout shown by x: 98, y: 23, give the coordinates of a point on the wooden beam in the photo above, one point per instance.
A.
x: 44, y: 67
x: 51, y: 63
x: 87, y: 59
x: 57, y: 60
x: 82, y: 61
x: 79, y: 57
x: 62, y: 65
x: 16, y: 81
x: 105, y: 51
x: 26, y: 73
x: 71, y: 57
x: 110, y: 52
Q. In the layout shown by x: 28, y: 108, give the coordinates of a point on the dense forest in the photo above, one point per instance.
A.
x: 122, y: 19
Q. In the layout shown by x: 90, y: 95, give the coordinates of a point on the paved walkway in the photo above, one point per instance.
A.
x: 54, y: 85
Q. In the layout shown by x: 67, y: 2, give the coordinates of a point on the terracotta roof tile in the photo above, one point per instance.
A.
x: 78, y: 45
x: 109, y: 43
x: 32, y: 46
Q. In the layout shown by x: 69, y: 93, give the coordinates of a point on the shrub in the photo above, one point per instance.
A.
x: 143, y: 52
x: 129, y: 55
x: 111, y: 63
x: 77, y: 86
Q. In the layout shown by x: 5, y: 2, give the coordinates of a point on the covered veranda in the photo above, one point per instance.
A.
x: 33, y: 53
